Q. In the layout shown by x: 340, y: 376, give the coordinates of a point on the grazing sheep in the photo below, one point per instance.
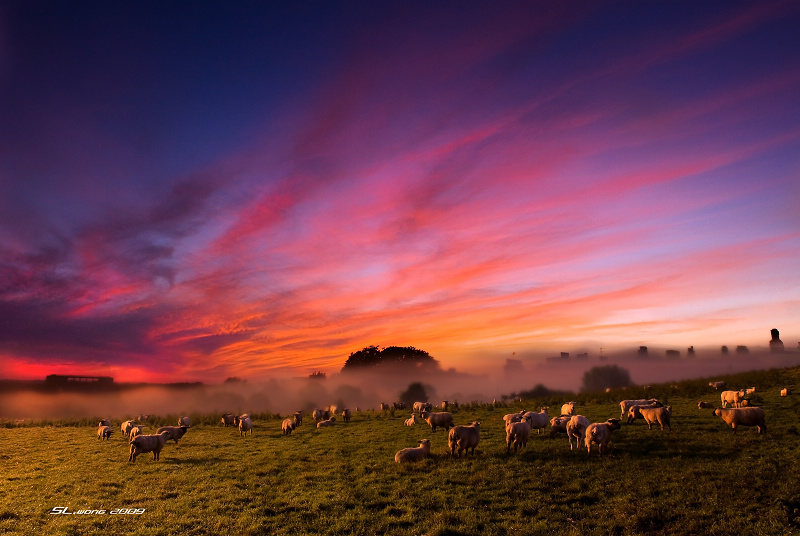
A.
x: 705, y: 405
x: 414, y: 454
x: 422, y: 406
x: 718, y: 385
x: 443, y: 419
x: 558, y: 425
x: 731, y: 397
x: 105, y: 422
x: 411, y: 421
x: 626, y: 405
x: 346, y: 414
x: 173, y: 432
x: 147, y: 443
x: 142, y: 418
x: 399, y: 405
x: 576, y: 429
x: 318, y: 414
x: 749, y: 391
x: 287, y: 426
x: 126, y: 427
x: 103, y: 432
x: 463, y: 438
x: 635, y: 413
x: 135, y: 431
x: 229, y: 419
x: 328, y: 422
x: 656, y: 415
x: 568, y: 408
x: 752, y: 416
x: 538, y: 421
x: 185, y: 421
x: 298, y: 418
x: 384, y: 406
x: 518, y: 433
x: 245, y: 425
x: 600, y: 435
x: 785, y: 391
x: 513, y: 417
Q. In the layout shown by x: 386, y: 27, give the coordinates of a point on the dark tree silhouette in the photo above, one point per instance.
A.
x: 601, y: 378
x: 406, y: 356
x: 415, y: 393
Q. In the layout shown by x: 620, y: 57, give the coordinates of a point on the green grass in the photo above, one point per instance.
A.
x: 699, y: 478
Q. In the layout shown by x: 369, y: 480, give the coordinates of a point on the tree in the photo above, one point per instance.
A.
x: 601, y: 378
x: 415, y: 393
x: 405, y: 356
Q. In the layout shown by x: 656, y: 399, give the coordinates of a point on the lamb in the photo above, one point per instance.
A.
x: 173, y: 432
x: 245, y: 425
x: 185, y: 421
x: 126, y: 427
x: 558, y: 425
x: 704, y: 405
x: 103, y: 432
x: 718, y: 385
x: 635, y: 413
x: 135, y: 431
x: 731, y: 397
x: 443, y: 419
x: 626, y: 405
x: 656, y: 415
x: 538, y: 421
x: 463, y: 438
x: 346, y: 414
x: 288, y: 426
x: 411, y: 421
x: 752, y: 416
x: 328, y: 422
x: 576, y: 428
x: 147, y: 443
x: 518, y: 433
x: 785, y: 391
x: 228, y: 419
x: 105, y: 422
x: 513, y: 417
x: 600, y: 434
x: 414, y: 454
x: 568, y: 408
x: 298, y: 418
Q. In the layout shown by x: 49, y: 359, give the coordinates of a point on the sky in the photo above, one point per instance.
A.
x: 196, y: 190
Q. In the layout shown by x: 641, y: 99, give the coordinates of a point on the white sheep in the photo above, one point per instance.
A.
x: 142, y: 418
x: 185, y: 421
x: 147, y: 443
x: 749, y: 391
x: 568, y: 408
x: 173, y: 432
x: 785, y: 391
x: 105, y: 422
x: 576, y: 429
x: 518, y: 433
x: 635, y: 413
x: 445, y: 404
x: 752, y: 416
x: 718, y: 385
x: 626, y: 405
x: 704, y: 405
x: 419, y: 407
x: 600, y: 435
x: 414, y: 454
x: 731, y: 397
x: 135, y: 431
x: 656, y: 415
x: 463, y: 438
x: 328, y: 422
x: 411, y: 421
x: 245, y: 425
x: 346, y: 414
x: 103, y: 432
x: 287, y: 426
x: 538, y: 421
x: 384, y: 406
x: 318, y: 414
x: 558, y: 425
x: 229, y: 419
x: 513, y: 417
x: 442, y: 419
x: 126, y: 427
x: 298, y: 418
x: 332, y: 410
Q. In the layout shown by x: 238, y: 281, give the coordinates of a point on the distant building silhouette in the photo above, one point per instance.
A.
x: 742, y: 350
x: 583, y: 355
x: 690, y: 351
x: 724, y: 350
x: 78, y: 383
x: 642, y: 351
x: 776, y: 344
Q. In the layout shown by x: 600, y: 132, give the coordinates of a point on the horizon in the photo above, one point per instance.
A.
x: 258, y: 190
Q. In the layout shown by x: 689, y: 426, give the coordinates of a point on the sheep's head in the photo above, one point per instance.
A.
x: 424, y: 442
x: 615, y: 425
x: 716, y: 412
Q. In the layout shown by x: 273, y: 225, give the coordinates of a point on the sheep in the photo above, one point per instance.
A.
x: 558, y: 425
x: 600, y: 434
x: 229, y: 419
x: 399, y: 405
x: 288, y: 426
x: 332, y: 410
x: 298, y: 418
x: 576, y: 429
x: 463, y: 438
x: 147, y: 443
x: 318, y: 414
x: 105, y: 422
x: 422, y: 406
x: 518, y: 433
x: 626, y: 405
x: 142, y: 418
x: 103, y: 432
x: 635, y: 413
x: 245, y: 425
x: 126, y: 427
x: 731, y: 397
x: 659, y: 415
x: 752, y: 416
x: 445, y: 404
x: 718, y: 385
x: 749, y: 391
x: 568, y: 408
x: 443, y: 419
x: 411, y: 421
x: 414, y: 454
x: 135, y: 431
x: 346, y: 414
x: 513, y: 417
x: 704, y: 405
x: 328, y: 422
x: 185, y: 421
x: 538, y: 421
x: 785, y: 391
x: 745, y: 403
x: 384, y: 406
x: 174, y: 432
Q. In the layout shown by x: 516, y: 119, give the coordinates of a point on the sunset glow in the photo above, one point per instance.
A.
x: 191, y: 192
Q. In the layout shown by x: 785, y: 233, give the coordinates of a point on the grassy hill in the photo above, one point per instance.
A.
x: 699, y: 478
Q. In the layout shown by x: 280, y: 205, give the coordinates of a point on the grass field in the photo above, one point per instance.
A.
x: 699, y: 478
